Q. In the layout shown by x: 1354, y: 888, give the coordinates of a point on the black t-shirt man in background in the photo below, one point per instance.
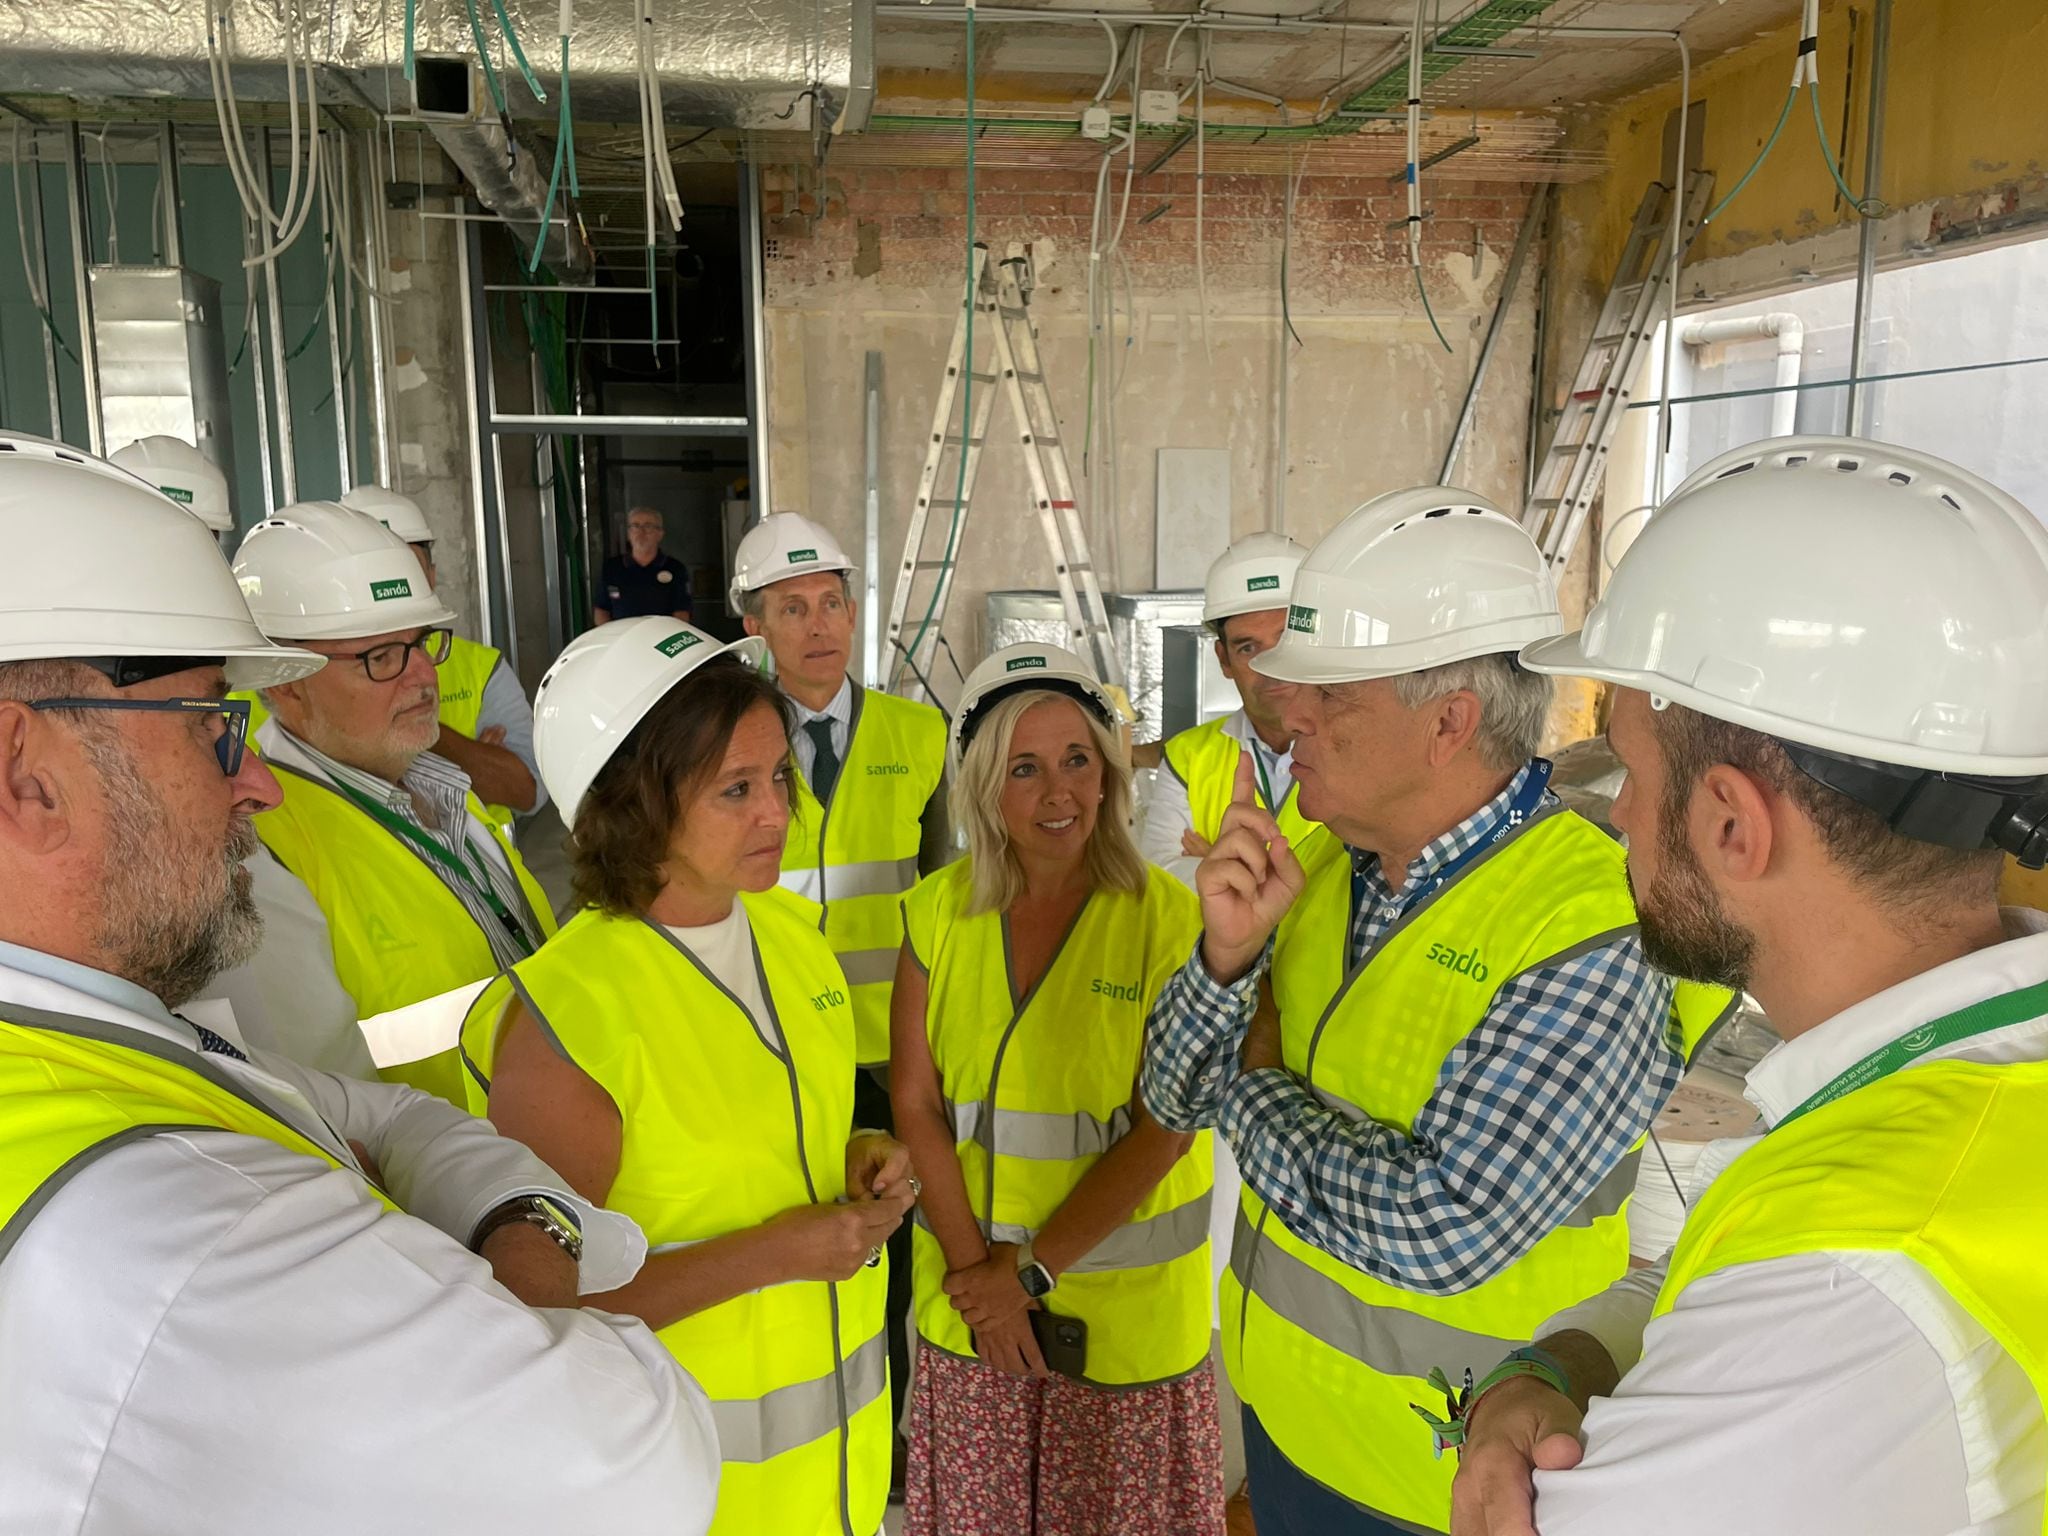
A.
x: 643, y: 581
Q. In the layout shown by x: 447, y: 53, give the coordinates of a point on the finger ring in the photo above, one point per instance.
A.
x: 874, y: 1257
x: 916, y: 1187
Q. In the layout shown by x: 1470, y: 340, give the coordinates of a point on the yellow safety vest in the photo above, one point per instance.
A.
x: 858, y: 855
x: 1329, y: 1357
x: 797, y: 1373
x: 1039, y: 1087
x: 1204, y: 759
x: 1937, y: 1162
x: 399, y: 934
x: 73, y: 1089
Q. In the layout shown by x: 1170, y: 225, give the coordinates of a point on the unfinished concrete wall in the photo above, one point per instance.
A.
x: 875, y: 259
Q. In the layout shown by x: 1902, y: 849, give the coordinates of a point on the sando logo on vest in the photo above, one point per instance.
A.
x: 1120, y: 992
x: 1263, y: 584
x: 1303, y: 621
x: 678, y: 643
x: 831, y: 997
x: 1025, y: 664
x: 1466, y: 964
x: 889, y: 768
x: 384, y: 591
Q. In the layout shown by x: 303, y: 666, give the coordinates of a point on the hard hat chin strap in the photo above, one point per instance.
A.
x: 1968, y: 812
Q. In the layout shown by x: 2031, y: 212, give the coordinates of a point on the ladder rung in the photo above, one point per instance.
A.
x: 1613, y: 338
x: 954, y: 440
x: 933, y: 565
x: 1547, y: 502
x: 987, y: 378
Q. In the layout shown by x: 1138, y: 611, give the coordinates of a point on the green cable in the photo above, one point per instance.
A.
x: 562, y: 133
x: 966, y: 363
x: 1868, y: 208
x: 568, y: 124
x: 1424, y: 291
x: 1761, y: 156
x: 518, y: 53
x: 412, y: 20
x: 483, y: 53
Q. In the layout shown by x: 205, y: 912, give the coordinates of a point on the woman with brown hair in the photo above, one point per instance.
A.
x: 1061, y: 1257
x: 682, y: 1051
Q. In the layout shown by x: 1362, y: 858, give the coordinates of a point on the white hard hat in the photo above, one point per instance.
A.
x: 318, y: 571
x: 184, y: 474
x: 1411, y: 580
x: 1850, y: 596
x: 1254, y: 575
x: 1017, y: 669
x: 602, y: 686
x: 782, y: 545
x: 396, y: 511
x: 99, y: 564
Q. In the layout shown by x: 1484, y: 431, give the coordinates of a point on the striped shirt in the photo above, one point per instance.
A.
x: 443, y: 789
x: 1532, y: 1109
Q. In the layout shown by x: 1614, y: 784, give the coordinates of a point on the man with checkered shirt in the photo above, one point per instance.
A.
x: 1432, y: 1040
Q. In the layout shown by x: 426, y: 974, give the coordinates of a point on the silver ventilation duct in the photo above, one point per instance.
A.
x: 722, y: 63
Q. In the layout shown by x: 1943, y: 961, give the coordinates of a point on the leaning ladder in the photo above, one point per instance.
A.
x: 1568, y: 476
x: 999, y: 301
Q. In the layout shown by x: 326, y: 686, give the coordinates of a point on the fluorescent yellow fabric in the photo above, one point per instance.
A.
x: 72, y: 1089
x: 713, y: 1119
x: 1046, y: 1082
x: 858, y: 855
x: 462, y: 677
x: 1205, y: 760
x: 399, y: 934
x: 1938, y: 1162
x: 1329, y: 1357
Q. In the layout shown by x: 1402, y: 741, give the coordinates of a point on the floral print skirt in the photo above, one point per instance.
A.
x: 998, y: 1455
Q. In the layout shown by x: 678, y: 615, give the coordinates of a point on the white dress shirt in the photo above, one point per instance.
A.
x: 203, y: 1331
x: 839, y: 712
x: 1167, y: 814
x: 1830, y: 1393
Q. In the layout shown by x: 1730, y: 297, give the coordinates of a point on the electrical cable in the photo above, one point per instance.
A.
x: 110, y: 191
x: 1414, y: 168
x: 1201, y: 138
x: 1867, y: 208
x: 518, y: 53
x: 412, y: 22
x: 1293, y: 185
x: 1762, y: 155
x: 564, y: 136
x: 28, y: 270
x: 966, y: 380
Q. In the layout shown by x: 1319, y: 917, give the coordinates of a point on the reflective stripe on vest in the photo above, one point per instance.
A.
x: 399, y: 935
x: 857, y: 856
x: 1330, y: 1357
x: 1204, y: 759
x: 77, y: 1088
x: 727, y: 1125
x: 1040, y: 1084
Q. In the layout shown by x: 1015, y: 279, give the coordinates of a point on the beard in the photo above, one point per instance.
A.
x: 172, y: 917
x: 1686, y: 933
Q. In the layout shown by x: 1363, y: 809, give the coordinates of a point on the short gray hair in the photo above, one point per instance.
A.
x: 1513, y: 703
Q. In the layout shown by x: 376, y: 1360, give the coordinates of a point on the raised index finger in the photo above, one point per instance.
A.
x: 1242, y: 787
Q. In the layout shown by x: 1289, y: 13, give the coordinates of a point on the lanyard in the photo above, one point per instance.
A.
x: 2000, y: 1012
x: 1519, y: 810
x: 462, y: 868
x: 1265, y: 784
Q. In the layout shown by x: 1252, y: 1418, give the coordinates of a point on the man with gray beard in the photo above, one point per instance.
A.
x: 237, y: 1295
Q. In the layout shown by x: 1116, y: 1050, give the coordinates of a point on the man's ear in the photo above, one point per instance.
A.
x: 34, y: 814
x: 750, y: 624
x: 1454, y: 723
x: 1730, y: 820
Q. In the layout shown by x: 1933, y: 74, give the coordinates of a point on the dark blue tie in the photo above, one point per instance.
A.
x: 824, y: 760
x: 212, y: 1044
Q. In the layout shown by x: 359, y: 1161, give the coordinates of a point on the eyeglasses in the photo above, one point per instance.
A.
x: 383, y: 663
x: 227, y: 746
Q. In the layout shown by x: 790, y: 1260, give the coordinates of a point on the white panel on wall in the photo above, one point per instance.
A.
x: 1192, y: 515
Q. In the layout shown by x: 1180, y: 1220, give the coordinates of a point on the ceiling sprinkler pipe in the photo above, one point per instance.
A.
x: 1790, y: 333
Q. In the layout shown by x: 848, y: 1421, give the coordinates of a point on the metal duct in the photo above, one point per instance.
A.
x: 515, y: 188
x: 723, y: 63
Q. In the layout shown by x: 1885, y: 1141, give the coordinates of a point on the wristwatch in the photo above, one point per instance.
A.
x: 1033, y: 1276
x: 535, y: 1210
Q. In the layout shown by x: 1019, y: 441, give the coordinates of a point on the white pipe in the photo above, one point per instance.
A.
x: 1790, y: 332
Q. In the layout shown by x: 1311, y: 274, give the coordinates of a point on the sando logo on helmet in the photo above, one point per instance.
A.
x: 177, y: 493
x: 677, y: 643
x: 1303, y: 621
x: 798, y: 556
x: 384, y: 591
x: 1263, y: 584
x: 1024, y: 664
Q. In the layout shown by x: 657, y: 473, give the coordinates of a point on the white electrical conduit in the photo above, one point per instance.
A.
x: 1201, y: 138
x: 1675, y: 240
x: 1116, y: 57
x: 251, y: 185
x: 1790, y: 333
x: 663, y: 175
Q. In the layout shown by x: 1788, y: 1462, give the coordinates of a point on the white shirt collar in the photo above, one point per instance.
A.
x: 1238, y: 727
x: 1795, y: 1071
x: 840, y: 710
x: 56, y: 985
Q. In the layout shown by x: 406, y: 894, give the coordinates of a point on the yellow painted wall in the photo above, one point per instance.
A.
x: 1964, y: 113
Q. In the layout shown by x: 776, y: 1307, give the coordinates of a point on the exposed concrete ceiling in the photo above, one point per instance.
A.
x: 922, y: 61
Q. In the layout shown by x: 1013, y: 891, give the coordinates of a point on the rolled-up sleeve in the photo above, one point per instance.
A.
x: 1532, y: 1112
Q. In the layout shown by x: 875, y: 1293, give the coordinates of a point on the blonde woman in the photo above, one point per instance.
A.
x: 1061, y: 1259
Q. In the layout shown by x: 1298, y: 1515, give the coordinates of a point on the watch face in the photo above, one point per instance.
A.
x: 1037, y: 1281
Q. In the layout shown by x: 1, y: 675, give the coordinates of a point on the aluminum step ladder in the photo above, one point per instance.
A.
x: 998, y: 298
x: 1569, y: 474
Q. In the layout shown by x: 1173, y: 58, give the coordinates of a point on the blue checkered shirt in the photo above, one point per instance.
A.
x: 1531, y: 1111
